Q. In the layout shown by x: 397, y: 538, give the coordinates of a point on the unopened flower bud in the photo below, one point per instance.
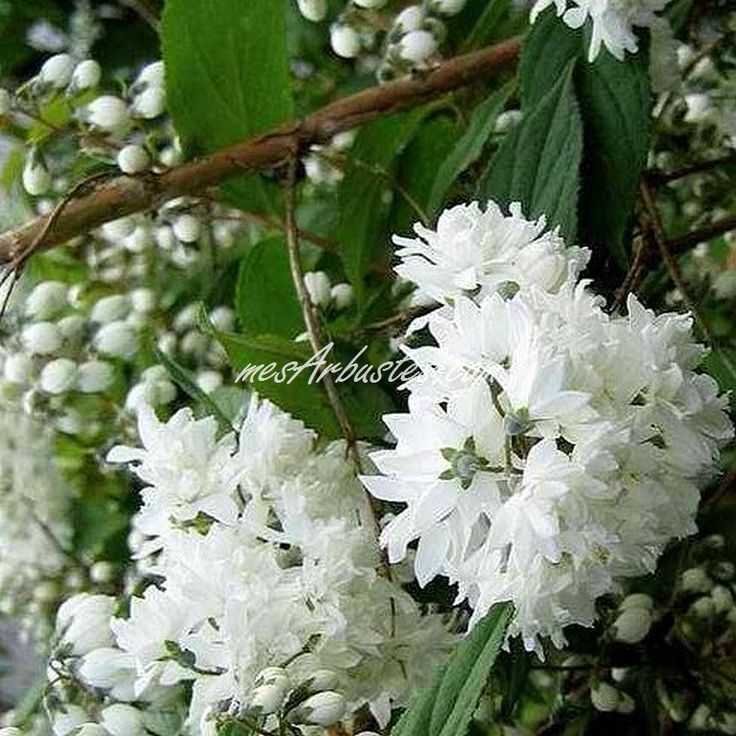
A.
x: 109, y: 113
x: 695, y: 580
x: 143, y: 300
x: 417, y: 46
x: 723, y: 571
x: 10, y: 731
x: 186, y: 228
x: 370, y: 4
x: 57, y: 71
x: 409, y: 19
x: 58, y: 376
x: 152, y: 75
x: 110, y: 308
x: 209, y: 381
x: 18, y: 368
x: 118, y: 340
x: 314, y: 10
x: 703, y: 608
x: 133, y: 159
x: 342, y: 295
x: 322, y: 709
x: 267, y: 699
x: 722, y: 599
x: 345, y: 41
x: 318, y: 286
x: 41, y: 338
x: 46, y: 299
x: 36, y: 178
x: 102, y: 572
x: 91, y: 729
x: 637, y: 600
x: 447, y: 7
x: 83, y: 622
x: 714, y: 542
x: 123, y: 720
x: 223, y: 318
x: 273, y: 676
x: 605, y: 697
x: 95, y: 376
x: 632, y: 625
x: 87, y: 74
x: 71, y: 327
x: 322, y: 680
x: 150, y: 103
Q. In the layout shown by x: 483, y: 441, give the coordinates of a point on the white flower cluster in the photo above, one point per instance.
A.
x: 35, y: 531
x: 613, y: 21
x: 260, y: 560
x: 549, y: 447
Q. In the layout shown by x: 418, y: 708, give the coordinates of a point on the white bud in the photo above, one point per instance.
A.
x: 118, y: 340
x: 267, y: 699
x: 345, y: 41
x: 342, y: 295
x: 194, y: 343
x: 83, y: 622
x: 87, y: 74
x: 322, y: 709
x: 409, y: 19
x: 322, y: 680
x: 417, y: 46
x: 123, y: 720
x: 632, y: 625
x: 209, y: 381
x: 368, y: 733
x: 11, y: 731
x: 36, y: 178
x: 722, y: 599
x: 167, y: 343
x: 318, y: 286
x: 110, y: 308
x: 95, y: 376
x: 71, y: 327
x: 133, y: 159
x: 703, y: 608
x: 151, y: 75
x: 223, y: 318
x: 150, y: 103
x: 46, y: 299
x: 314, y: 10
x: 41, y: 338
x: 695, y: 580
x: 370, y: 4
x: 186, y: 228
x: 605, y: 697
x: 109, y: 113
x: 143, y: 300
x: 698, y: 107
x: 447, y: 7
x: 153, y: 393
x: 186, y: 318
x: 273, y: 676
x: 118, y: 229
x: 102, y: 572
x: 618, y: 674
x: 637, y: 600
x: 58, y: 376
x: 57, y: 71
x: 18, y: 368
x: 6, y: 101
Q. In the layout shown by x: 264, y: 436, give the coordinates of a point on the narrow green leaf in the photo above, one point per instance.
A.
x: 538, y: 164
x: 616, y: 101
x: 366, y: 190
x: 223, y: 59
x: 447, y: 706
x: 485, y: 29
x: 188, y: 385
x: 469, y: 147
x: 265, y: 298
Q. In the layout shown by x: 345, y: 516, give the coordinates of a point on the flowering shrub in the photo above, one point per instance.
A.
x: 366, y: 367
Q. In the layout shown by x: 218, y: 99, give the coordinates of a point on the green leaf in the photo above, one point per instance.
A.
x: 538, y: 164
x: 188, y: 385
x: 616, y: 101
x: 223, y: 59
x: 469, y: 147
x: 485, y: 30
x: 364, y: 193
x: 265, y: 298
x: 447, y: 706
x: 548, y: 49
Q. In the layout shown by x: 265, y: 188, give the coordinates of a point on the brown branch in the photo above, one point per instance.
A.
x: 703, y: 235
x: 658, y: 178
x: 128, y: 195
x: 148, y: 10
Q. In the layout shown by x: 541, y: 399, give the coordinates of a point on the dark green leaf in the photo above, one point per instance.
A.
x: 469, y: 147
x: 265, y: 297
x: 485, y: 30
x: 447, y: 706
x: 538, y: 164
x: 364, y: 192
x: 616, y: 101
x: 223, y: 59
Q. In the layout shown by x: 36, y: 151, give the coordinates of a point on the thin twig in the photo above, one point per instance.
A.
x: 726, y: 486
x: 145, y: 9
x: 128, y: 195
x: 702, y: 235
x: 397, y: 322
x: 658, y: 178
x: 670, y: 262
x: 635, y: 273
x: 314, y: 327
